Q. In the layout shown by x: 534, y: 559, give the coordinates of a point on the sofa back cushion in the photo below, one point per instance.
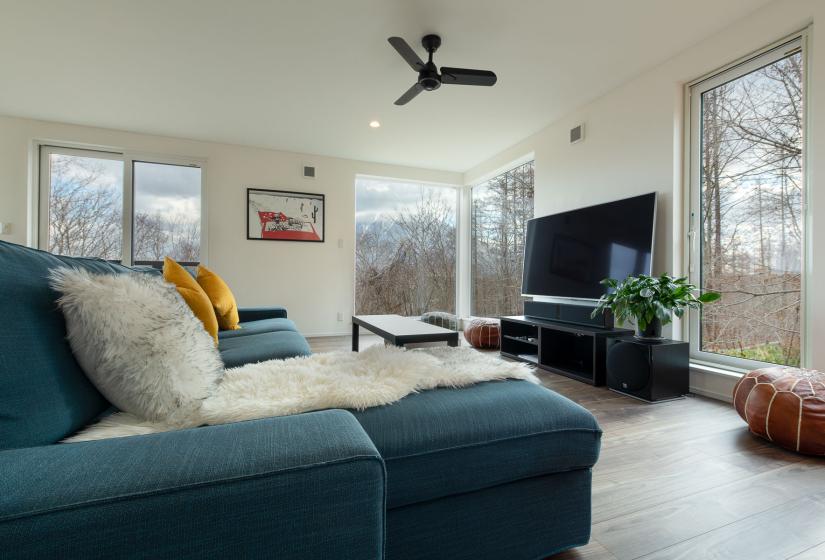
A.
x: 44, y: 395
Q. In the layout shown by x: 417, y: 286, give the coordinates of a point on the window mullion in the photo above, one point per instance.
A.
x: 128, y: 209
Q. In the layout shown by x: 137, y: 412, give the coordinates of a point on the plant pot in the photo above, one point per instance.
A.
x: 653, y: 331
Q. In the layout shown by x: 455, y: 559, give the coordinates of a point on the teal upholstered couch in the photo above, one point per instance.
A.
x: 499, y: 470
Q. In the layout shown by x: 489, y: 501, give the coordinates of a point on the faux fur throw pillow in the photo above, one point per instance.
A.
x: 139, y: 344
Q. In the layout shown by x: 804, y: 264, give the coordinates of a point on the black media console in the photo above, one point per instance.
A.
x: 576, y: 351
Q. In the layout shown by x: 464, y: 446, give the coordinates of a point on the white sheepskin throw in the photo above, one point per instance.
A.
x: 358, y: 380
x: 139, y: 344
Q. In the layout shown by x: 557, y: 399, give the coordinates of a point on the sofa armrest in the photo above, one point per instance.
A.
x: 257, y: 313
x: 304, y: 486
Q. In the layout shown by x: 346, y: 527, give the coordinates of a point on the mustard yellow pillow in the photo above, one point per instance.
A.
x: 226, y: 308
x: 192, y: 294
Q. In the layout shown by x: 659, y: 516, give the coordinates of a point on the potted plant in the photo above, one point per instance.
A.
x: 651, y: 301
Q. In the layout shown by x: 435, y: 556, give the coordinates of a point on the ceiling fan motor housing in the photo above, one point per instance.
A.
x: 428, y: 78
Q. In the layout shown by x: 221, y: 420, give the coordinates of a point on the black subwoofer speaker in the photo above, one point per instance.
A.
x: 651, y: 371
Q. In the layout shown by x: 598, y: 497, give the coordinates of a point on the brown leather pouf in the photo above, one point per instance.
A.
x: 784, y: 405
x: 483, y: 333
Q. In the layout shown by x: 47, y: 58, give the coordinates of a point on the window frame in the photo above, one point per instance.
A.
x: 41, y: 186
x: 129, y: 181
x: 460, y: 220
x: 510, y: 167
x: 44, y: 187
x: 693, y: 188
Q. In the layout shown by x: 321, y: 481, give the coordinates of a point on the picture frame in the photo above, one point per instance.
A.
x: 278, y: 215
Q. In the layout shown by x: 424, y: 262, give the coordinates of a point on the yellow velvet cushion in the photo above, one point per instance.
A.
x: 192, y: 294
x: 226, y: 308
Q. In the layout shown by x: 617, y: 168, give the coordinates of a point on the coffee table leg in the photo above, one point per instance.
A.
x: 453, y: 341
x: 354, y: 337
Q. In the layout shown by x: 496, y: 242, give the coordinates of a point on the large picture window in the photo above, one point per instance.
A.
x: 501, y: 207
x: 747, y: 208
x: 405, y: 251
x: 83, y: 214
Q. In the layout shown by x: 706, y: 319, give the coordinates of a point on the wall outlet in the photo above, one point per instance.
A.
x: 340, y: 317
x: 5, y: 228
x: 340, y: 243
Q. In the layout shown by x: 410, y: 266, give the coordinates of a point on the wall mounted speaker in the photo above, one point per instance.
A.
x: 651, y: 371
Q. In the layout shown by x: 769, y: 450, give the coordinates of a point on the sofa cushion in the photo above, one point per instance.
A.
x: 193, y: 294
x: 139, y: 343
x: 258, y: 327
x: 44, y: 395
x: 222, y: 298
x: 276, y: 487
x: 449, y: 441
x: 255, y: 348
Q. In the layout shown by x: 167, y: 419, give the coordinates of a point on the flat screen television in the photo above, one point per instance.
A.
x: 568, y: 254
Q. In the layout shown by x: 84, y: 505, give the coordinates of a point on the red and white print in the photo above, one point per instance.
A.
x: 285, y: 216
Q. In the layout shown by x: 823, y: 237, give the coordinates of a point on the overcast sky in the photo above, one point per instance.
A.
x: 170, y: 190
x: 376, y: 198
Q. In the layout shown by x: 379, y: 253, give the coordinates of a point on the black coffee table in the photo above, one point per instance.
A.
x: 400, y: 330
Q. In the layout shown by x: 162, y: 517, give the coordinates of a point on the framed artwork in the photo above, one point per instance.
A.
x: 284, y: 215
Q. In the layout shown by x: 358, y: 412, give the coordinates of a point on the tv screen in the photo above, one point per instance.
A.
x: 569, y: 254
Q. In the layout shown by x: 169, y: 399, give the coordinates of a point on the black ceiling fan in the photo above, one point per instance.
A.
x: 428, y: 75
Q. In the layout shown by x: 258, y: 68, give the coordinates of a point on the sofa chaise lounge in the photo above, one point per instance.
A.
x: 499, y: 470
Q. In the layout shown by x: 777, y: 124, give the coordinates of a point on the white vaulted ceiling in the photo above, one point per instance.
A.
x: 308, y: 76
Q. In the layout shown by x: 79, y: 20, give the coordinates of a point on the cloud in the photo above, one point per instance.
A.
x: 375, y: 198
x: 168, y: 190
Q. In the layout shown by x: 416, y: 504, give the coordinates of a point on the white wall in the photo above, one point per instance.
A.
x: 634, y: 144
x: 313, y: 280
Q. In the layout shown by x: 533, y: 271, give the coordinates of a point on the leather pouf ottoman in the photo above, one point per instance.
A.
x: 784, y: 405
x: 483, y: 333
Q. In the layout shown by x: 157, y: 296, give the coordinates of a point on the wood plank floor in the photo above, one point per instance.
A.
x: 685, y: 480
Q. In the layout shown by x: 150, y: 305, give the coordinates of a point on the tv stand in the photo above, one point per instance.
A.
x: 575, y: 351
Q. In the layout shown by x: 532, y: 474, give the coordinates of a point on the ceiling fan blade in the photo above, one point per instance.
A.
x: 409, y: 94
x: 407, y: 53
x: 467, y: 77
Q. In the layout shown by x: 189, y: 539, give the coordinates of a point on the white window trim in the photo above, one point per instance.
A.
x: 39, y: 172
x: 692, y: 110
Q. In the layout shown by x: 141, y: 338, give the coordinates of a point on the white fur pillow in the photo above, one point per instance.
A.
x: 139, y: 343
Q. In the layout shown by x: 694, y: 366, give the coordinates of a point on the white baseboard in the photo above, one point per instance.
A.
x: 711, y: 394
x: 713, y: 383
x: 328, y: 334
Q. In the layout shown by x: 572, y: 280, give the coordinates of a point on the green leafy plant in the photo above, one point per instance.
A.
x: 647, y: 298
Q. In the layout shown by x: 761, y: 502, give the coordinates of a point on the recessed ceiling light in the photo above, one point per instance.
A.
x: 374, y: 124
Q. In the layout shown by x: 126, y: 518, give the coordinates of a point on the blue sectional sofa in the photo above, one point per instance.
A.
x: 265, y: 334
x: 499, y: 470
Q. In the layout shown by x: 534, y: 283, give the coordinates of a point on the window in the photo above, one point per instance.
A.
x: 405, y: 247
x: 167, y: 213
x: 84, y: 203
x: 500, y: 210
x: 83, y: 214
x: 747, y: 209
